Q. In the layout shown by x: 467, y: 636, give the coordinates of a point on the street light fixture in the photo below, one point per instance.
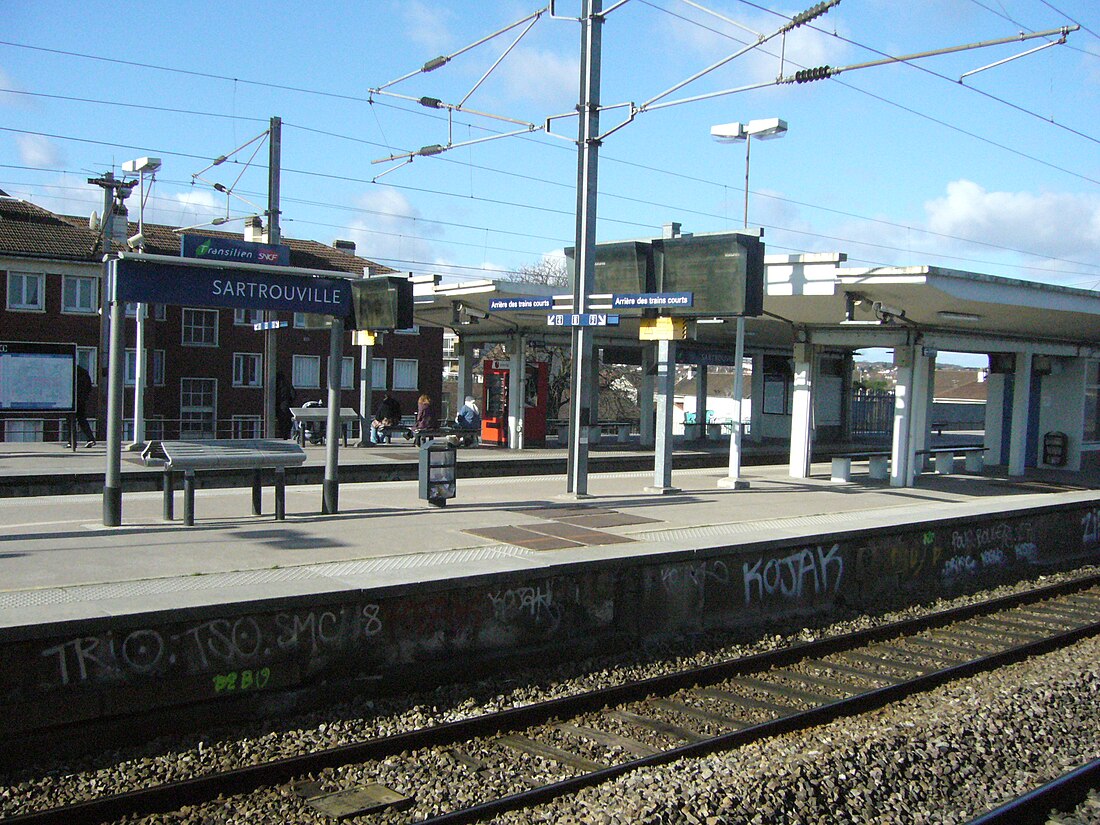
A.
x: 141, y: 167
x: 764, y: 129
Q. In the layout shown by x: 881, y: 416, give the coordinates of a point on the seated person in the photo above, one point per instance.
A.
x: 425, y: 418
x: 387, y: 415
x: 469, y: 420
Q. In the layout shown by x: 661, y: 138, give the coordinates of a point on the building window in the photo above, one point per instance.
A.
x: 405, y: 374
x: 378, y: 374
x: 159, y: 312
x: 158, y: 367
x: 246, y: 426
x: 248, y: 369
x: 198, y: 407
x: 23, y: 429
x: 1092, y: 402
x: 247, y: 317
x: 200, y: 327
x: 26, y: 291
x: 131, y: 367
x: 88, y: 357
x: 306, y: 372
x: 79, y: 294
x: 347, y: 373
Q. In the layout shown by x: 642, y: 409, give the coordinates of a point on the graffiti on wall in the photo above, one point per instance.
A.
x: 805, y: 574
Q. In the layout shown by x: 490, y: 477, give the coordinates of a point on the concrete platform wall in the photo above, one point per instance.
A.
x: 255, y: 652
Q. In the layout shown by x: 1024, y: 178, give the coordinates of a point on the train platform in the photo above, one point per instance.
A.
x: 59, y: 564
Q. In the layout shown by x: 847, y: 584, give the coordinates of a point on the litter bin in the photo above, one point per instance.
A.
x: 1055, y: 446
x: 438, y: 465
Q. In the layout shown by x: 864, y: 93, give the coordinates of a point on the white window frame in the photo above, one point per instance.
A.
x: 15, y: 429
x: 302, y: 367
x: 156, y: 366
x: 21, y: 304
x: 246, y: 426
x: 84, y: 304
x: 189, y: 328
x: 347, y: 372
x: 413, y: 330
x: 247, y: 317
x: 378, y: 381
x: 399, y: 366
x: 202, y: 410
x: 241, y: 360
x: 88, y: 357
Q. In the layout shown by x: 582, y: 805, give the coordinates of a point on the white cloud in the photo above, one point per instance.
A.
x: 38, y: 151
x: 7, y: 98
x: 428, y: 24
x: 540, y: 76
x: 394, y: 232
x: 1058, y: 225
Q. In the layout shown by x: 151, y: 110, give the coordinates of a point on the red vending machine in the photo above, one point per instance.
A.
x: 494, y: 417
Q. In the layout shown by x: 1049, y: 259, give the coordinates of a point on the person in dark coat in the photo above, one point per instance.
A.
x: 425, y: 418
x: 388, y: 414
x: 284, y: 400
x: 83, y: 393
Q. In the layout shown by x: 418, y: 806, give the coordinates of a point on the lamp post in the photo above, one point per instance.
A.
x: 141, y: 166
x: 730, y: 133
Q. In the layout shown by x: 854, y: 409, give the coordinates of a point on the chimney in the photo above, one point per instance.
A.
x: 671, y: 230
x: 344, y: 246
x: 254, y: 230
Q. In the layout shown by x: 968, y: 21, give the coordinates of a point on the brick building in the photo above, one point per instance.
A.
x: 204, y: 365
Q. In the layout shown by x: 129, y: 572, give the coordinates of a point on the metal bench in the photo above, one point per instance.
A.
x: 235, y: 454
x: 319, y: 415
x: 878, y: 469
x: 944, y: 457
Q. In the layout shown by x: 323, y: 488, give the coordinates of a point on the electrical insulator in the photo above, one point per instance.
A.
x: 431, y: 102
x: 812, y: 13
x: 810, y: 75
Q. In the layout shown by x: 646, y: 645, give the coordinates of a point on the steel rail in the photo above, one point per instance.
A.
x: 1034, y: 807
x: 174, y: 795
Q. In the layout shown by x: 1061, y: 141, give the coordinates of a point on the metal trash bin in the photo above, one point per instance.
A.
x: 438, y: 466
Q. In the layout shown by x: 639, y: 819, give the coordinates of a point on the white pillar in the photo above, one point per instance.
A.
x: 756, y: 409
x: 924, y: 376
x: 516, y: 381
x: 902, y: 458
x: 1021, y: 396
x: 802, y: 406
x: 666, y: 388
x: 646, y: 404
x: 734, y: 479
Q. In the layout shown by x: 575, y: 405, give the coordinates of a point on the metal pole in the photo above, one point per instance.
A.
x: 271, y: 342
x: 748, y: 147
x: 734, y: 479
x: 582, y: 415
x: 139, y: 336
x: 666, y: 388
x: 112, y: 484
x: 366, y: 382
x: 331, y: 486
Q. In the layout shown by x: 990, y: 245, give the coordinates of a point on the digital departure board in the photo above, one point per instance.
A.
x: 382, y: 303
x: 724, y: 273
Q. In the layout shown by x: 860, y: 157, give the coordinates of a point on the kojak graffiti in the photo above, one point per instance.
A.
x: 238, y: 649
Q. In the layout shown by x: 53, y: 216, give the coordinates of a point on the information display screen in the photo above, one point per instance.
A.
x: 724, y: 273
x: 37, y: 376
x: 624, y: 267
x: 382, y: 303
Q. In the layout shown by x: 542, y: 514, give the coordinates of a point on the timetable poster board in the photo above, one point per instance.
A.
x: 37, y: 377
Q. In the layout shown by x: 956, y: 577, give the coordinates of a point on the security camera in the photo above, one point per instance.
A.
x: 884, y: 312
x: 135, y: 241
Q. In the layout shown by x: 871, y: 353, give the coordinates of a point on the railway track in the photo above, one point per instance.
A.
x: 533, y: 754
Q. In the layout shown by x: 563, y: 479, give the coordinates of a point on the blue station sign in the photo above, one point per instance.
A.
x: 232, y: 250
x: 512, y: 304
x: 155, y: 282
x: 651, y: 300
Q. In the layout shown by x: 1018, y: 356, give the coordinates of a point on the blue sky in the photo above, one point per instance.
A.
x: 898, y: 165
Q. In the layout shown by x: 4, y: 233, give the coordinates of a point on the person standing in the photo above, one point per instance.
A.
x: 83, y: 393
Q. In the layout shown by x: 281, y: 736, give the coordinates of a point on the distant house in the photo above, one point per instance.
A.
x: 204, y: 365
